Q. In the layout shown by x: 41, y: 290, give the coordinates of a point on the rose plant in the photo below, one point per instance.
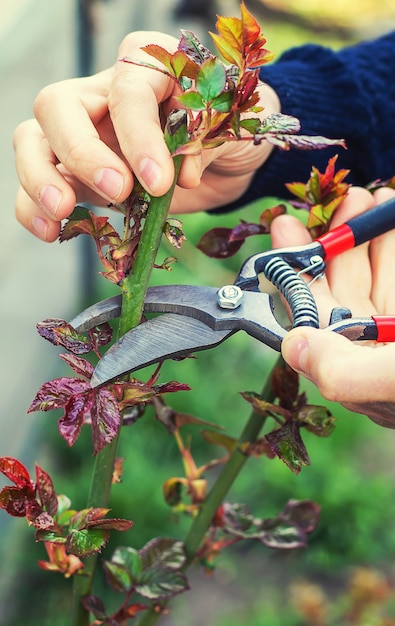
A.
x: 218, y: 102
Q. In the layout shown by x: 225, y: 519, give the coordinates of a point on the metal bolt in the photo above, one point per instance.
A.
x: 230, y: 297
x: 316, y: 260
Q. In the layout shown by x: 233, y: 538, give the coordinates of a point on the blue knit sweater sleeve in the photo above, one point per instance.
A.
x: 347, y: 94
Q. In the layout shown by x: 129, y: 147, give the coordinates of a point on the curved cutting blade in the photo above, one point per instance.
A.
x: 160, y: 338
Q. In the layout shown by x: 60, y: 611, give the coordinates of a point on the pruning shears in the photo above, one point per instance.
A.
x: 196, y: 318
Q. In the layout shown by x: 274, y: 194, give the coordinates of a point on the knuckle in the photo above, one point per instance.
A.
x: 44, y: 99
x: 74, y: 156
x: 21, y: 131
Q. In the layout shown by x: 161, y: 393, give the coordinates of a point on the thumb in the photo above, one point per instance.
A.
x: 343, y: 371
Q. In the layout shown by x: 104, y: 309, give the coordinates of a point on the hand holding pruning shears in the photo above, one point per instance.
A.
x: 360, y: 375
x: 197, y: 318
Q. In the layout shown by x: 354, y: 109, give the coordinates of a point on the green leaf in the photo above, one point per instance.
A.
x: 128, y: 558
x: 79, y: 213
x: 251, y: 124
x: 87, y: 541
x: 289, y: 528
x: 223, y: 102
x: 317, y: 419
x: 261, y: 406
x: 64, y: 504
x: 211, y: 80
x: 161, y: 583
x: 287, y: 444
x: 279, y: 123
x: 50, y: 536
x: 82, y: 519
x: 284, y: 536
x: 63, y: 518
x: 286, y: 530
x: 118, y: 576
x: 238, y: 520
x: 176, y: 132
x: 163, y: 552
x: 192, y: 100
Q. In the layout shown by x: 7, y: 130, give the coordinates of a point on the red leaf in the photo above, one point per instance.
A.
x: 171, y: 387
x: 285, y: 384
x: 15, y: 471
x: 15, y: 499
x: 46, y: 329
x: 66, y: 564
x: 82, y: 519
x: 40, y: 519
x: 94, y: 605
x: 216, y: 243
x: 46, y: 491
x: 60, y: 333
x: 79, y: 365
x: 266, y: 218
x: 100, y: 335
x: 251, y: 28
x: 111, y: 523
x: 304, y: 514
x: 71, y: 422
x: 159, y: 53
x: 244, y: 230
x: 132, y: 610
x: 106, y: 418
x: 68, y: 337
x: 126, y: 613
x: 56, y: 394
x: 194, y: 49
x: 95, y: 225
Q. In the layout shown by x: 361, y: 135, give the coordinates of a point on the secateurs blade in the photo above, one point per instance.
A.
x: 195, y: 318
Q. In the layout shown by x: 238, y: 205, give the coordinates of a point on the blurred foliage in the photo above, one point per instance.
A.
x: 338, y: 15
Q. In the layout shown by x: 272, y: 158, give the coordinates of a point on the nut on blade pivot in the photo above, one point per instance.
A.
x: 229, y: 297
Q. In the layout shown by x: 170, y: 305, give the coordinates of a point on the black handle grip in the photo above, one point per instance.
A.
x: 358, y: 229
x: 373, y: 223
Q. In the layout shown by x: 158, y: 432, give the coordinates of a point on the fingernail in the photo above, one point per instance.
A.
x: 109, y: 182
x: 40, y: 227
x: 295, y: 352
x: 150, y: 173
x: 50, y: 198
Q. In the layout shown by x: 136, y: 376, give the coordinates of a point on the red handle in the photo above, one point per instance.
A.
x: 336, y: 241
x: 385, y: 325
x: 359, y: 229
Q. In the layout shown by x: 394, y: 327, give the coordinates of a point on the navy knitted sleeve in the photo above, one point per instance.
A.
x: 347, y: 94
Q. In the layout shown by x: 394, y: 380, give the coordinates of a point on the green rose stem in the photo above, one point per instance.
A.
x: 219, y: 490
x: 133, y: 288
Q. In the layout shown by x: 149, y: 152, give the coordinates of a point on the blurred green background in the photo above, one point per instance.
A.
x: 350, y: 476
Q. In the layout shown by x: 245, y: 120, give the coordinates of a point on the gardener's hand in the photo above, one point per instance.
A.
x: 359, y: 376
x: 92, y: 136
